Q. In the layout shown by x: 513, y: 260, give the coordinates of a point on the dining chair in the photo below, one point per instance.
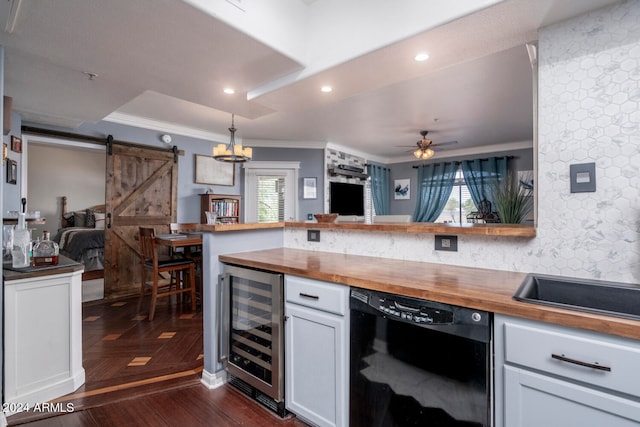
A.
x: 192, y: 252
x: 182, y: 269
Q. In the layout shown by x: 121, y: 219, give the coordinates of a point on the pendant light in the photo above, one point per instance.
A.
x: 232, y: 152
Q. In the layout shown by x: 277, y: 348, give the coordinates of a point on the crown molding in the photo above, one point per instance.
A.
x: 277, y: 143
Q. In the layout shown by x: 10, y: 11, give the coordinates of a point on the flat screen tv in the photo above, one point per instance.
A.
x: 346, y: 199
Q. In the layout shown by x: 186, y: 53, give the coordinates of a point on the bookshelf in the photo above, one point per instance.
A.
x: 226, y: 206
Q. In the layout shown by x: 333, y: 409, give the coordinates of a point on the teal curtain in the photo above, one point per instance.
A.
x: 435, y: 182
x: 481, y: 175
x: 380, y: 188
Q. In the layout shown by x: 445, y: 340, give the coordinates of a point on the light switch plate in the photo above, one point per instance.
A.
x: 446, y: 243
x: 313, y: 235
x: 583, y: 177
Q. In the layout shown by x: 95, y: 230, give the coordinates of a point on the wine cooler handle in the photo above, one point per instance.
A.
x: 223, y: 320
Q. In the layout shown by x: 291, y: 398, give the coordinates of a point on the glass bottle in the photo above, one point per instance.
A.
x: 21, y: 244
x: 46, y: 251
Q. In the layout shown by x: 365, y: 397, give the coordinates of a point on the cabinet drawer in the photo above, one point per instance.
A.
x: 316, y: 294
x: 599, y: 360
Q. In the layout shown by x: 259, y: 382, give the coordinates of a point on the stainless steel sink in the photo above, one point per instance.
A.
x: 613, y: 299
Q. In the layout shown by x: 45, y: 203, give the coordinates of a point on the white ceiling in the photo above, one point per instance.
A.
x: 164, y: 63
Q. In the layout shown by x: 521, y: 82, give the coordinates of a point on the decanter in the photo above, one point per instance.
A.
x: 46, y: 251
x: 21, y: 244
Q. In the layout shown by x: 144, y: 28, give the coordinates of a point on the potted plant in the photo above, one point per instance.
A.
x: 513, y: 201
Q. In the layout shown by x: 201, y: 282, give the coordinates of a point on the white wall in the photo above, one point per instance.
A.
x: 589, y: 111
x: 55, y: 171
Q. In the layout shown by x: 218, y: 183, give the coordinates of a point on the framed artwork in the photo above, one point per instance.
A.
x: 12, y: 171
x: 402, y: 190
x: 212, y: 172
x: 16, y: 144
x: 309, y: 188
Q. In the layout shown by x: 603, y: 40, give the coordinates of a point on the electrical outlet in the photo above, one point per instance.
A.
x: 446, y: 243
x: 313, y: 235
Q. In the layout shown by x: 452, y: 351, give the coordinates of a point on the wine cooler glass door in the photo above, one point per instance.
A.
x: 254, y: 326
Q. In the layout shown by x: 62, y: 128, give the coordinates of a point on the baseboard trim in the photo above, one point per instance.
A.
x: 214, y: 380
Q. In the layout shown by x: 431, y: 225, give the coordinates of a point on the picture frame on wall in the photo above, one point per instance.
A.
x: 210, y: 171
x: 12, y: 171
x: 16, y: 144
x: 402, y: 189
x: 310, y: 188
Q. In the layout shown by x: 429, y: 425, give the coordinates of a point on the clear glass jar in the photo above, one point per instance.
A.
x: 46, y: 251
x: 21, y: 244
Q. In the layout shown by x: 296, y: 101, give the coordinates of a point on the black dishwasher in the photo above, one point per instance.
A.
x: 418, y: 363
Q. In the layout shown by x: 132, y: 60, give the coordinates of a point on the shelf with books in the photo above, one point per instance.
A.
x: 226, y: 206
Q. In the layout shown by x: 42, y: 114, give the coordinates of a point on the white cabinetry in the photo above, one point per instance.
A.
x: 43, y: 337
x: 317, y: 351
x: 549, y: 375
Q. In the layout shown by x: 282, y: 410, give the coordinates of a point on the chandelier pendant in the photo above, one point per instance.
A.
x: 232, y: 152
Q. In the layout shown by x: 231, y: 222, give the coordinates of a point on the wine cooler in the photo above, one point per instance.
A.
x: 251, y: 333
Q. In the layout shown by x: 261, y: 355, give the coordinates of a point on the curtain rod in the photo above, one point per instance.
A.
x: 460, y: 162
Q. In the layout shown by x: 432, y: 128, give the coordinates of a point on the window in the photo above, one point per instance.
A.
x: 460, y: 203
x: 271, y: 198
x: 271, y: 191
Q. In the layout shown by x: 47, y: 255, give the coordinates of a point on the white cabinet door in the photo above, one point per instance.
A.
x: 316, y: 362
x: 533, y: 400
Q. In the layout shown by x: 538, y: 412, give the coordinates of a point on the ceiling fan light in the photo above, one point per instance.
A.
x: 417, y: 154
x: 427, y: 154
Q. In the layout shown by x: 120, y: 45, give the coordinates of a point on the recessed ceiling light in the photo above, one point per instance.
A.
x: 229, y: 91
x: 423, y: 56
x: 326, y: 89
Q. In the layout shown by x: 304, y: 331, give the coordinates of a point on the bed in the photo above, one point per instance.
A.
x: 81, y: 238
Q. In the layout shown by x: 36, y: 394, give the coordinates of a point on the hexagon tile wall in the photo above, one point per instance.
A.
x: 589, y: 85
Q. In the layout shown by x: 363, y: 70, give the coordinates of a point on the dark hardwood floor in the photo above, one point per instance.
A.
x: 141, y: 373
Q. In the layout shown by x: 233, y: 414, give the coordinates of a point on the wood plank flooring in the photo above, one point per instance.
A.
x: 141, y: 373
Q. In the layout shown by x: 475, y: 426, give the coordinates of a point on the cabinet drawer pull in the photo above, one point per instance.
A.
x: 303, y: 295
x: 596, y: 365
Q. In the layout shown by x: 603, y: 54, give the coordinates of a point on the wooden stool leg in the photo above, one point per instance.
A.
x: 179, y: 285
x: 143, y: 275
x: 154, y: 298
x: 192, y: 280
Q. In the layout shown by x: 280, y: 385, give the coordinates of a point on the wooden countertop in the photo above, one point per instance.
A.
x: 229, y: 227
x: 483, y: 289
x: 507, y: 230
x: 65, y: 265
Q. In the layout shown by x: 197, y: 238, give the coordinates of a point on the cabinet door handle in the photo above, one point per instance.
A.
x: 596, y: 365
x: 303, y: 295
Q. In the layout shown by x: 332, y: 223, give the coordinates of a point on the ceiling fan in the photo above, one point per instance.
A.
x: 425, y: 146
